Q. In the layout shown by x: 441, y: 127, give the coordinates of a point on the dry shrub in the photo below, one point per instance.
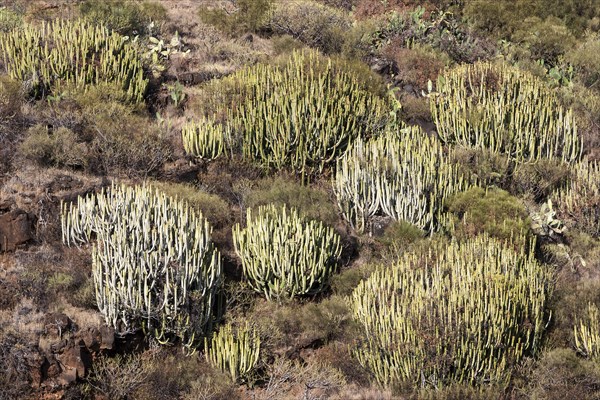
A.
x: 343, y: 4
x: 546, y: 39
x: 370, y: 8
x: 119, y: 377
x: 58, y: 148
x: 105, y: 134
x: 17, y: 358
x: 538, y: 181
x: 289, y: 380
x: 338, y: 354
x: 171, y: 375
x: 416, y: 65
x: 560, y: 374
x: 125, y: 17
x: 11, y: 101
x: 313, y: 24
x: 237, y: 17
x: 585, y: 59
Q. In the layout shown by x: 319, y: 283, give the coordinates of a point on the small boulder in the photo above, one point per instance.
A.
x: 16, y: 228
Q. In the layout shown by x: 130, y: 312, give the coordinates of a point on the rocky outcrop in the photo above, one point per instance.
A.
x: 67, y: 352
x: 16, y: 229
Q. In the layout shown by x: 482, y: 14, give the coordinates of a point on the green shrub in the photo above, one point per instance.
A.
x: 154, y: 266
x: 399, y: 235
x: 248, y: 16
x: 313, y: 24
x: 285, y: 44
x: 476, y: 106
x: 284, y: 255
x: 585, y: 59
x: 215, y: 209
x: 9, y: 19
x: 560, y: 374
x: 125, y: 17
x: 505, y: 17
x: 492, y: 211
x: 58, y: 148
x: 311, y: 202
x: 435, y: 319
x: 546, y: 40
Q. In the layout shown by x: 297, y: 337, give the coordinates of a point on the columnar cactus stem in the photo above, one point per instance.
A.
x: 580, y: 200
x: 404, y: 175
x: 284, y: 255
x: 154, y: 266
x: 505, y: 110
x: 235, y: 352
x: 73, y: 53
x: 587, y: 333
x: 300, y: 116
x: 462, y: 313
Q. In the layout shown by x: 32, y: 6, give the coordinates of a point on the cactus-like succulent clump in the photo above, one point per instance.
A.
x: 285, y: 255
x: 580, y: 200
x: 300, y: 116
x: 587, y: 333
x: 154, y: 265
x: 505, y: 110
x: 235, y: 351
x: 404, y: 175
x: 464, y: 313
x: 204, y: 138
x: 76, y: 53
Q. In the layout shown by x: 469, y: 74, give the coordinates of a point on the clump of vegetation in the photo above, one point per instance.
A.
x: 403, y: 175
x: 59, y: 148
x: 561, y: 374
x: 234, y: 351
x: 585, y: 60
x: 214, y: 208
x: 504, y: 110
x: 11, y: 100
x: 154, y: 265
x: 579, y: 202
x: 242, y: 16
x: 71, y: 52
x: 311, y: 202
x: 316, y: 25
x: 99, y: 131
x: 119, y: 377
x: 491, y: 211
x: 417, y: 314
x: 300, y: 116
x: 124, y: 17
x: 284, y: 255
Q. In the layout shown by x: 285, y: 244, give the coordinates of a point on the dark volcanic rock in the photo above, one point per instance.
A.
x: 16, y: 228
